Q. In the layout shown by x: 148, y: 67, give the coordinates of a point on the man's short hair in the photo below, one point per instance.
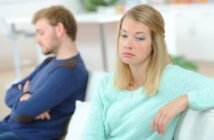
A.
x: 58, y: 14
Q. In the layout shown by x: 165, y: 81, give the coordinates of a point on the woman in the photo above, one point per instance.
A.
x: 145, y: 97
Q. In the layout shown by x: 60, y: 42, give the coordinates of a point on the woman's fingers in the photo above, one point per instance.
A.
x: 169, y: 111
x: 155, y: 122
x: 160, y: 124
x: 163, y: 123
x: 161, y: 120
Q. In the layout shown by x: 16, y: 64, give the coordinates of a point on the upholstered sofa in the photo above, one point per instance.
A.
x: 195, y: 125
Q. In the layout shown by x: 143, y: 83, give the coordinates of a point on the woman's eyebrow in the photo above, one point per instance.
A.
x: 123, y: 30
x: 141, y: 33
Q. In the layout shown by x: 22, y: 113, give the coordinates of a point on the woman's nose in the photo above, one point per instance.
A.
x: 129, y: 43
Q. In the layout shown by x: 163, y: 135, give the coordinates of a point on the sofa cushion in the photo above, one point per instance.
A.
x: 78, y: 120
x: 196, y: 125
x: 77, y: 123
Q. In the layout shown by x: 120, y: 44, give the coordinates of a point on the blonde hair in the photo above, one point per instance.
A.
x: 58, y: 14
x: 159, y: 56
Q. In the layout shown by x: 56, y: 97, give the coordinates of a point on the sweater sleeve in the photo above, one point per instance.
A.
x: 94, y: 129
x: 13, y: 93
x: 59, y: 85
x: 200, y: 92
x: 199, y: 89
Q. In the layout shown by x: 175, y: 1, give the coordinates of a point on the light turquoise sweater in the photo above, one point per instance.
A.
x: 127, y: 115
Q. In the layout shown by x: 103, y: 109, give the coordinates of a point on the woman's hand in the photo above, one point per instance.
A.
x: 167, y: 112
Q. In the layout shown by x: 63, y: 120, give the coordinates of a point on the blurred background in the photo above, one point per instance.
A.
x: 189, y: 35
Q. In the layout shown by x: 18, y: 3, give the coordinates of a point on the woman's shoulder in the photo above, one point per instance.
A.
x: 173, y: 81
x: 174, y: 74
x: 176, y: 71
x: 172, y: 68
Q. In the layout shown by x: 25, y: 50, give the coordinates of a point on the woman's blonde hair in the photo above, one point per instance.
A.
x: 159, y: 56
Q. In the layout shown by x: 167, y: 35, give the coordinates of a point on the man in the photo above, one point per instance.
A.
x: 42, y: 104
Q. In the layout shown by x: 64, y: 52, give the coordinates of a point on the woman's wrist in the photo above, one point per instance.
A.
x: 184, y: 100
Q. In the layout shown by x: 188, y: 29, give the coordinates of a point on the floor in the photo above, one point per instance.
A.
x: 6, y: 77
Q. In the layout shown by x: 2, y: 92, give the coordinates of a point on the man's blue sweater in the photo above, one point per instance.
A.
x: 54, y: 87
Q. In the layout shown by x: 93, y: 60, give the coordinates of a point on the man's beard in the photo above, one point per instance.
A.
x: 48, y: 53
x: 52, y: 49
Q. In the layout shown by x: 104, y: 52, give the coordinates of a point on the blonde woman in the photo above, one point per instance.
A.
x: 145, y: 97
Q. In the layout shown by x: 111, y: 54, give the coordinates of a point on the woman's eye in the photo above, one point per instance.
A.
x: 140, y: 38
x: 123, y: 36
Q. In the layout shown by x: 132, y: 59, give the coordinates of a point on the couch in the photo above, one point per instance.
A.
x: 194, y: 125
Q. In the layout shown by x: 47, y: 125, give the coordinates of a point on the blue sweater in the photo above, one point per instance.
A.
x: 127, y: 115
x: 53, y: 87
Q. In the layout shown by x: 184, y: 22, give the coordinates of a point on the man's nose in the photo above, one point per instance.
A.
x: 37, y: 39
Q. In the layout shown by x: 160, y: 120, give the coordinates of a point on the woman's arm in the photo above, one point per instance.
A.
x: 168, y: 112
x: 184, y: 89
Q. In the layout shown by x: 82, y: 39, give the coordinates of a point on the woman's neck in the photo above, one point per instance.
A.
x: 138, y: 74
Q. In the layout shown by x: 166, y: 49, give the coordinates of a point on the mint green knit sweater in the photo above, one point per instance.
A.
x: 127, y: 115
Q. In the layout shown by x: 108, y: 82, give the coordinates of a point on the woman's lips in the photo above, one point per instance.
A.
x: 126, y: 54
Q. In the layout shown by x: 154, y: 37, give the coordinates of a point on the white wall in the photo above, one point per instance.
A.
x: 195, y: 36
x: 16, y: 8
x: 89, y: 44
x: 194, y: 30
x: 187, y: 33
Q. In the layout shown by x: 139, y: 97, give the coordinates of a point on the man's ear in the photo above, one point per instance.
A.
x: 60, y: 30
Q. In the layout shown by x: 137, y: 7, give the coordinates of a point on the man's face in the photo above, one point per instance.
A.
x: 46, y: 37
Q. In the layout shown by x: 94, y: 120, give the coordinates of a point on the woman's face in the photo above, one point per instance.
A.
x: 135, y: 42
